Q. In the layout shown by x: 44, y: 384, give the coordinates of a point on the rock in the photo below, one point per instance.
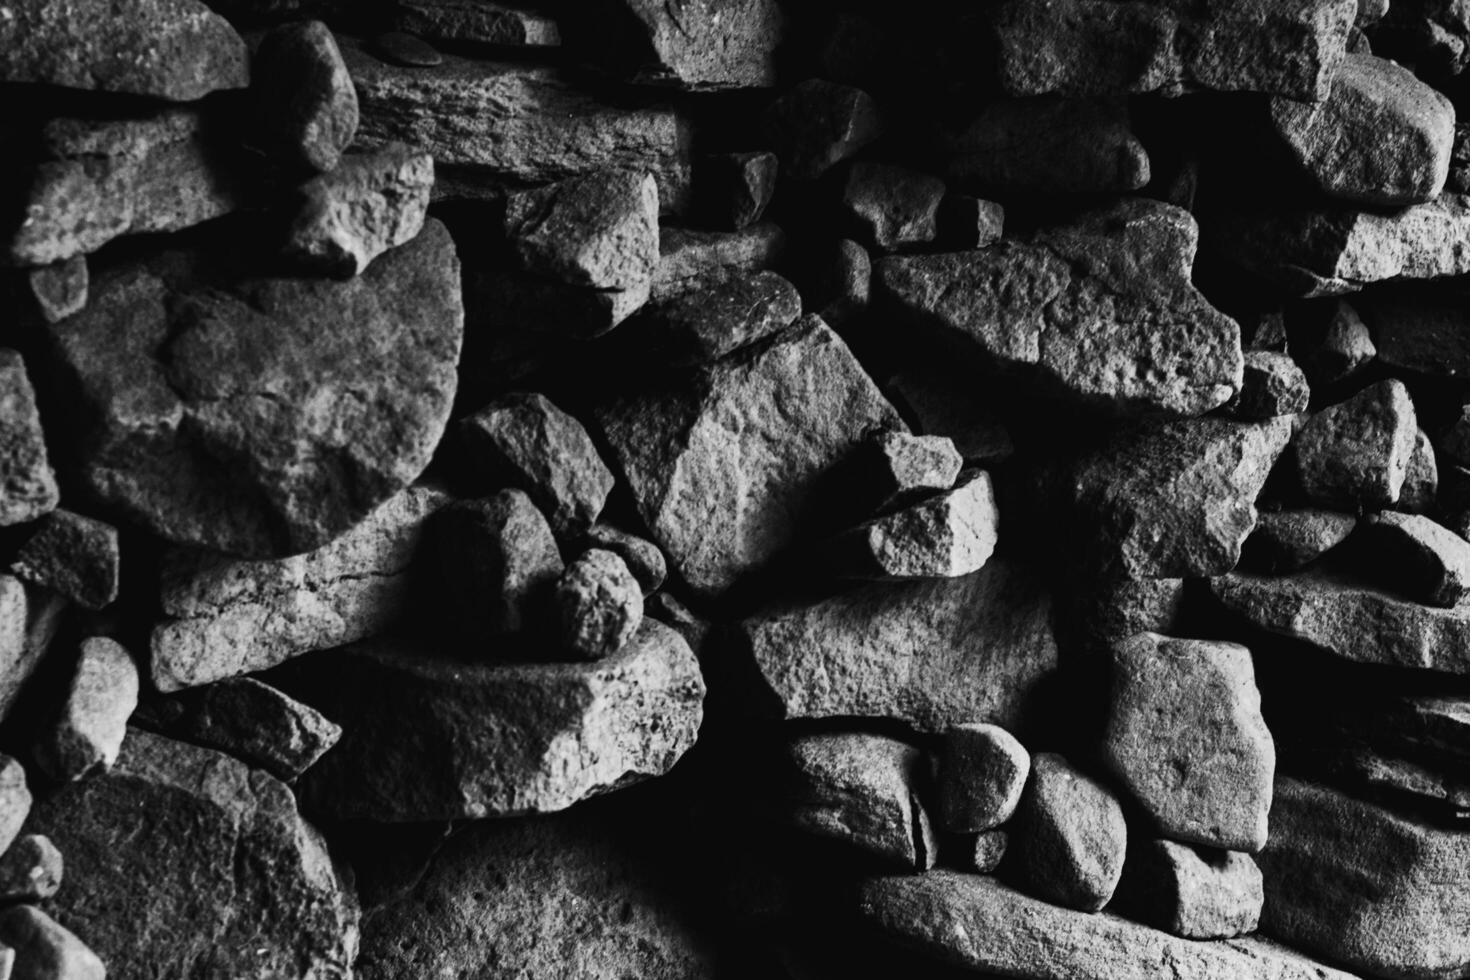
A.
x: 1049, y: 145
x: 1356, y: 453
x: 1455, y: 440
x: 641, y: 556
x: 59, y: 289
x: 599, y: 605
x: 45, y: 950
x: 1346, y: 349
x: 370, y: 203
x: 706, y: 46
x: 15, y: 800
x: 1272, y: 385
x: 1133, y: 335
x: 1351, y: 880
x: 893, y: 469
x: 475, y: 22
x: 73, y: 555
x: 988, y: 852
x: 1173, y: 500
x: 977, y: 922
x: 238, y: 884
x: 231, y: 617
x: 1108, y: 608
x: 1429, y: 791
x: 723, y: 461
x: 948, y: 535
x: 89, y: 734
x: 1069, y: 836
x: 1419, y: 330
x: 818, y: 124
x: 1418, y: 558
x: 427, y: 737
x: 734, y: 189
x: 31, y: 870
x: 933, y: 654
x: 27, y: 483
x: 891, y: 207
x: 524, y: 440
x: 1421, y: 479
x: 860, y: 789
x: 969, y: 222
x: 307, y: 105
x: 167, y: 49
x: 1284, y: 541
x: 982, y: 771
x: 1095, y: 47
x: 1186, y: 739
x: 1381, y: 137
x: 516, y: 124
x: 693, y: 259
x: 842, y: 284
x: 406, y: 50
x: 706, y: 323
x: 941, y: 400
x: 97, y: 180
x: 1431, y: 34
x: 1197, y: 893
x: 29, y: 620
x: 289, y: 409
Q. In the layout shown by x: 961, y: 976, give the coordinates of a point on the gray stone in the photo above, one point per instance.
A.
x: 987, y: 851
x: 895, y: 468
x: 29, y: 620
x: 46, y: 950
x: 947, y: 535
x: 643, y: 557
x: 941, y: 400
x: 1069, y: 836
x: 692, y: 259
x: 1455, y: 440
x: 1186, y: 739
x: 1108, y: 608
x: 477, y: 22
x: 1272, y: 385
x: 406, y: 50
x: 1101, y: 311
x: 167, y: 49
x: 1418, y: 558
x: 818, y: 124
x: 843, y: 283
x: 1421, y: 479
x: 238, y: 885
x: 1197, y: 893
x: 708, y: 322
x: 498, y: 564
x: 370, y: 203
x: 15, y: 800
x: 891, y: 207
x: 722, y: 462
x: 59, y: 289
x: 1420, y: 330
x: 982, y: 771
x: 599, y: 605
x: 1356, y: 453
x: 701, y: 46
x: 1433, y: 35
x: 304, y: 95
x: 73, y: 555
x: 229, y: 617
x: 31, y: 870
x: 861, y: 789
x: 287, y: 409
x: 27, y: 483
x: 1433, y: 791
x: 429, y: 737
x: 735, y: 188
x: 1284, y: 541
x: 1345, y: 350
x: 94, y: 717
x: 970, y: 222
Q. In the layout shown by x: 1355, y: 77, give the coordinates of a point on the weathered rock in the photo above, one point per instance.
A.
x: 306, y: 103
x: 1421, y: 478
x: 73, y: 555
x: 1418, y: 558
x: 599, y: 605
x: 15, y: 800
x: 1069, y: 836
x: 843, y: 282
x: 1433, y: 792
x: 238, y: 884
x: 1102, y: 311
x: 406, y: 50
x: 941, y: 400
x: 1454, y: 442
x: 59, y: 289
x: 982, y: 771
x: 643, y: 557
x: 969, y: 222
x: 99, y: 179
x: 31, y: 870
x: 45, y: 950
x: 1284, y: 541
x: 891, y: 207
x: 233, y: 617
x: 1186, y: 739
x: 1356, y: 453
x: 948, y: 535
x: 988, y: 851
x: 860, y: 789
x: 427, y: 737
x: 734, y: 189
x: 29, y: 620
x: 1381, y: 137
x: 692, y: 259
x: 1364, y: 886
x: 818, y: 124
x: 94, y: 718
x: 476, y: 22
x: 702, y: 46
x: 168, y: 49
x: 1346, y: 348
x: 932, y: 654
x: 1107, y: 608
x: 1272, y: 385
x: 1197, y: 893
x: 721, y: 462
x: 524, y: 440
x: 370, y: 203
x: 708, y: 322
x: 1419, y: 330
x: 27, y: 484
x: 895, y: 468
x: 1096, y: 47
x: 287, y: 409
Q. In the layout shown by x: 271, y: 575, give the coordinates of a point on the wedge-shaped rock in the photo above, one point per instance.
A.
x: 285, y: 411
x: 723, y: 460
x: 932, y: 654
x: 432, y: 738
x: 476, y: 22
x: 982, y: 771
x: 168, y: 49
x: 369, y: 203
x: 73, y: 555
x: 1357, y: 453
x: 94, y: 717
x: 1186, y: 739
x: 1102, y: 312
x: 231, y: 617
x: 695, y: 259
x: 1418, y: 558
x: 43, y: 949
x: 27, y: 483
x: 1069, y: 836
x: 1098, y: 47
x: 238, y: 884
x: 1354, y: 621
x: 1382, y: 137
x: 1361, y: 885
x: 979, y: 923
x: 891, y: 207
x: 947, y: 535
x: 941, y: 399
x: 818, y: 124
x: 15, y: 800
x: 708, y: 322
x: 1272, y: 385
x: 1284, y: 541
x: 895, y: 468
x: 735, y: 188
x: 305, y: 100
x: 705, y: 45
x: 861, y: 789
x: 1197, y: 893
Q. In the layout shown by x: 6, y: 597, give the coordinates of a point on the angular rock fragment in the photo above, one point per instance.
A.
x: 895, y: 468
x: 1186, y: 739
x: 27, y: 483
x: 948, y: 535
x: 721, y: 462
x: 642, y: 556
x: 167, y: 49
x: 1381, y: 137
x: 692, y: 259
x: 46, y: 950
x: 73, y: 555
x: 287, y: 409
x: 1111, y: 609
x: 982, y: 771
x: 94, y: 717
x: 15, y: 800
x: 1197, y: 893
x: 1356, y: 453
x: 703, y: 46
x: 1418, y: 558
x: 707, y: 322
x: 1132, y: 335
x: 1284, y: 541
x: 860, y: 789
x: 428, y: 737
x: 370, y: 203
x: 892, y: 207
x: 1272, y: 385
x: 307, y: 105
x: 59, y: 289
x: 1346, y: 349
x: 1069, y: 836
x: 235, y: 617
x: 843, y: 282
x: 476, y: 22
x: 31, y: 870
x: 734, y: 189
x: 941, y: 400
x: 818, y: 124
x: 237, y: 883
x: 599, y: 605
x: 1421, y: 478
x: 969, y: 222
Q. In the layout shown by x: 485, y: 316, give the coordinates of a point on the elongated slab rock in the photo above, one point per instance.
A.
x: 1421, y: 559
x: 94, y: 718
x: 478, y: 22
x: 27, y: 483
x: 431, y: 738
x: 73, y: 555
x: 700, y: 45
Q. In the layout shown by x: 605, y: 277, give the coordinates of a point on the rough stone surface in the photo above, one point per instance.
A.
x: 15, y: 800
x: 599, y: 605
x: 306, y: 103
x: 691, y: 259
x: 287, y: 410
x: 427, y: 737
x: 982, y: 771
x: 896, y: 468
x: 230, y: 617
x: 29, y: 620
x: 970, y: 222
x: 31, y: 869
x: 1272, y: 385
x: 708, y: 322
x: 842, y: 285
x: 701, y: 45
x: 818, y: 124
x: 1284, y: 541
x: 1112, y: 608
x: 73, y: 555
x: 891, y: 207
x: 988, y: 851
x: 1069, y: 836
x: 44, y: 949
x: 59, y: 289
x: 238, y: 885
x: 948, y: 535
x: 1418, y: 558
x: 1420, y: 491
x: 721, y: 462
x: 94, y: 718
x: 941, y: 400
x: 1346, y: 348
x: 27, y: 483
x: 477, y: 22
x: 1197, y: 893
x: 1101, y: 311
x: 1419, y: 330
x: 643, y: 557
x: 734, y: 189
x: 1357, y: 452
x: 369, y: 203
x: 861, y: 789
